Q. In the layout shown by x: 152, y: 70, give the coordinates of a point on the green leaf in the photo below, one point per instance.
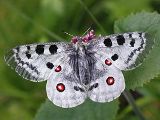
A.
x: 150, y: 68
x: 87, y: 111
x: 14, y: 110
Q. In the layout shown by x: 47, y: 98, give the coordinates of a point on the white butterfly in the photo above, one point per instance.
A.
x: 89, y: 66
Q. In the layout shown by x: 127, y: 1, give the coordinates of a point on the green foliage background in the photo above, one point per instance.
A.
x: 30, y: 21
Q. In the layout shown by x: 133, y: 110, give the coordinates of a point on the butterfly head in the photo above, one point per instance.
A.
x: 84, y: 39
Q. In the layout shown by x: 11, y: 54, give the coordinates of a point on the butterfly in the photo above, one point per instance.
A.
x: 89, y: 66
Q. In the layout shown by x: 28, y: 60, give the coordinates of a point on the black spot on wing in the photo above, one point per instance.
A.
x: 140, y: 34
x: 78, y: 89
x: 28, y: 47
x: 132, y: 42
x: 53, y: 49
x: 120, y: 39
x: 93, y: 86
x: 28, y: 55
x: 130, y: 35
x: 49, y: 65
x: 40, y: 49
x: 114, y: 57
x: 108, y: 42
x: 81, y: 89
x: 17, y: 48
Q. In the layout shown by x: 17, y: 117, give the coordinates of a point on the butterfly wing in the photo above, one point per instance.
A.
x: 51, y: 62
x: 122, y: 49
x: 109, y: 85
x: 114, y: 53
x: 37, y: 62
x: 64, y: 90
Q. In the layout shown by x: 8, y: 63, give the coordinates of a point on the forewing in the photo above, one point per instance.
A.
x: 37, y: 62
x: 109, y: 85
x: 122, y: 49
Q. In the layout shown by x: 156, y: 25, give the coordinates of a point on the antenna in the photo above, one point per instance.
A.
x: 68, y: 34
x: 86, y: 31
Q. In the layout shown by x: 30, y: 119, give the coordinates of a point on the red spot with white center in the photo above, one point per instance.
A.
x: 58, y: 69
x: 110, y: 80
x: 60, y: 87
x: 108, y: 62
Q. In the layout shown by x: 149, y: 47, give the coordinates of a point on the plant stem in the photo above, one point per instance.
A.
x: 131, y: 101
x: 92, y: 16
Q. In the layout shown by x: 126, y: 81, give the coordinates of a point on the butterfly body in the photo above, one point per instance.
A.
x: 89, y: 66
